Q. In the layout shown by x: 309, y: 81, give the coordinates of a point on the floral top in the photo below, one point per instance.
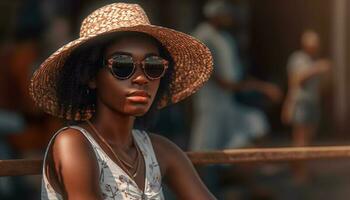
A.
x: 114, y: 182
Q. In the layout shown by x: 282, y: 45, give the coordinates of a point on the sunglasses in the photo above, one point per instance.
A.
x: 123, y: 66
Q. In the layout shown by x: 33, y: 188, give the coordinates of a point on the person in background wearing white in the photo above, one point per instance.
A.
x: 301, y: 108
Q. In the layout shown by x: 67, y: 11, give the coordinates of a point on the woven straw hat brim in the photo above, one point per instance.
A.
x: 193, y: 65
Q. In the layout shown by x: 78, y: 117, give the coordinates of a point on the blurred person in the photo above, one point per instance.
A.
x: 220, y: 121
x: 301, y: 108
x: 106, y: 85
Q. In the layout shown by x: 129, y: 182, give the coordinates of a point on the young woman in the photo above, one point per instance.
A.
x: 115, y: 75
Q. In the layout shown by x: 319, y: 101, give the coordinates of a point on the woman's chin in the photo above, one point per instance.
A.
x: 137, y: 110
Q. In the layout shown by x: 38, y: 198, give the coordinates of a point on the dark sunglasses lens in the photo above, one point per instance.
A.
x: 122, y: 66
x: 154, y: 67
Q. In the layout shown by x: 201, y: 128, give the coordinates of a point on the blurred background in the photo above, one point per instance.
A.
x: 280, y: 79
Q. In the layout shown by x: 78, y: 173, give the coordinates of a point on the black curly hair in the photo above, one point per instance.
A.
x: 73, y: 94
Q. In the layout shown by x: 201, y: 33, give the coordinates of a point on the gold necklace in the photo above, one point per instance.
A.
x: 122, y: 162
x: 130, y: 165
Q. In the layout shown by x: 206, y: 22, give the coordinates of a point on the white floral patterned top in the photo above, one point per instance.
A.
x: 114, y: 182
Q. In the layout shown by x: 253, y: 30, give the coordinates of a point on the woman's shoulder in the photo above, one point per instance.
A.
x: 162, y: 143
x: 69, y: 138
x: 69, y: 154
x: 159, y: 142
x: 74, y: 162
x: 167, y: 151
x: 71, y: 146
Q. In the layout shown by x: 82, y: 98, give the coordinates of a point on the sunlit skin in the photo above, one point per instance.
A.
x: 72, y: 167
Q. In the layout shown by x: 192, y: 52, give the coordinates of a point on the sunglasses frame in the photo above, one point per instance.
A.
x: 109, y: 65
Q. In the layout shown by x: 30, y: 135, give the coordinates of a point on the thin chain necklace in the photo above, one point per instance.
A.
x: 122, y: 162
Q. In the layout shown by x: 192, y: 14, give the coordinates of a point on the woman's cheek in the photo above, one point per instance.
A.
x: 156, y: 88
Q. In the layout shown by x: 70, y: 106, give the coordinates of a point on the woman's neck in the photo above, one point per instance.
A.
x: 114, y: 127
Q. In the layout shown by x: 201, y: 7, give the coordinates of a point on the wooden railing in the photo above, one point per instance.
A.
x: 20, y: 167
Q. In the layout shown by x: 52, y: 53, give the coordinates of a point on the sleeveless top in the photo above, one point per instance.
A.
x: 114, y: 182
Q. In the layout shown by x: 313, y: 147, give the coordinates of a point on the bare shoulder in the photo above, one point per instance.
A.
x: 159, y: 141
x: 180, y: 174
x: 71, y: 150
x: 71, y: 142
x: 163, y: 147
x: 162, y: 144
x: 73, y: 156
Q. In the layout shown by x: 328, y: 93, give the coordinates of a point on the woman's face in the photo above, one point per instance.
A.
x: 132, y: 96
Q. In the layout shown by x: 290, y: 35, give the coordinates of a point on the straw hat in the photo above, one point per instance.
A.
x: 192, y: 59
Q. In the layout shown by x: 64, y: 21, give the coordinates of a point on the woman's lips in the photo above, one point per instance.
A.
x: 138, y: 96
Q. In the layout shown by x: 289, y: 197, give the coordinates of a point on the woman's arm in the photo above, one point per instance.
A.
x: 76, y: 166
x: 178, y: 171
x: 320, y: 67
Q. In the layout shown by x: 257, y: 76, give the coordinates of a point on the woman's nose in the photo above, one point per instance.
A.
x: 139, y: 77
